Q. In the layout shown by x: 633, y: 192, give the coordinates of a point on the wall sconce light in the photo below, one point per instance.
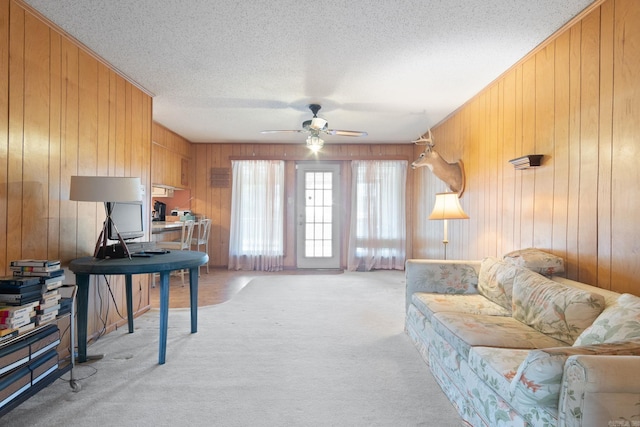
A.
x: 526, y: 162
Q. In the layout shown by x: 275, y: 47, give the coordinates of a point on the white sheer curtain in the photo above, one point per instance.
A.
x: 257, y: 215
x: 377, y: 238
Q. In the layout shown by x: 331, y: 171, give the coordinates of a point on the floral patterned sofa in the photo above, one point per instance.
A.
x: 512, y: 347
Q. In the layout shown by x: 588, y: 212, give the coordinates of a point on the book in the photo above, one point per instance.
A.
x: 42, y: 307
x: 16, y: 309
x: 34, y: 263
x: 5, y: 332
x: 19, y: 316
x: 35, y: 269
x: 26, y: 289
x: 19, y: 299
x: 52, y: 285
x: 26, y: 328
x: 9, y: 282
x: 53, y: 273
x: 44, y: 318
x: 49, y: 309
x: 8, y: 334
x: 48, y: 300
x: 7, y: 317
x: 16, y: 323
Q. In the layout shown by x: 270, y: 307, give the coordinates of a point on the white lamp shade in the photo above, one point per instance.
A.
x: 105, y: 189
x: 448, y: 207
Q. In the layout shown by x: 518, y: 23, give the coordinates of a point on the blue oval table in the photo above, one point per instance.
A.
x: 159, y: 263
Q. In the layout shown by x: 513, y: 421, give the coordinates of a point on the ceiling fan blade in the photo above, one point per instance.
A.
x: 282, y: 131
x: 346, y: 132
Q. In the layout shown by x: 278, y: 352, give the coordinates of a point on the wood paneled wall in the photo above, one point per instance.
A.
x: 63, y: 112
x: 576, y: 100
x: 215, y: 202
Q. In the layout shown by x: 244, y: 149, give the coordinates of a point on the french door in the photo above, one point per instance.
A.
x: 317, y: 218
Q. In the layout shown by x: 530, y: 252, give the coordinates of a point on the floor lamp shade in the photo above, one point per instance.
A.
x: 110, y: 190
x: 105, y: 189
x: 447, y: 207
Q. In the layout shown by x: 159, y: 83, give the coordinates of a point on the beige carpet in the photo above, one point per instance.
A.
x: 319, y: 350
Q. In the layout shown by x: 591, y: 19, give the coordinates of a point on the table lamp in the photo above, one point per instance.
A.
x: 110, y: 190
x: 447, y: 207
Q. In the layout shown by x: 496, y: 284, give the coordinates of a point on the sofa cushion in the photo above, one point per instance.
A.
x: 539, y: 377
x: 495, y: 281
x: 553, y: 309
x: 497, y: 366
x: 536, y: 260
x: 429, y: 304
x: 463, y: 331
x: 619, y: 322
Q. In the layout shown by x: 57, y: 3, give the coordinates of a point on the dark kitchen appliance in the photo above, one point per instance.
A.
x: 160, y: 210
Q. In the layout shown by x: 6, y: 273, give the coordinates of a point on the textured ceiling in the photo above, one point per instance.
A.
x: 222, y: 71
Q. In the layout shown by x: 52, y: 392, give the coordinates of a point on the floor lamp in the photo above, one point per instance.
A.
x: 110, y: 190
x: 447, y: 207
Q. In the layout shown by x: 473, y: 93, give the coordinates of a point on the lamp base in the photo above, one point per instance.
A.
x: 103, y: 250
x: 113, y: 251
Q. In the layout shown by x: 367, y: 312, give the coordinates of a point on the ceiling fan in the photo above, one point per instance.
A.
x: 315, y: 127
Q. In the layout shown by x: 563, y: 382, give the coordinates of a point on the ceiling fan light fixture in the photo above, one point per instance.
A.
x: 314, y: 143
x: 318, y: 123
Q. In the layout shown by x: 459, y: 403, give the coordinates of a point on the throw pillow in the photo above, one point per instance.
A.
x: 620, y: 322
x: 556, y: 310
x: 495, y: 281
x: 536, y: 260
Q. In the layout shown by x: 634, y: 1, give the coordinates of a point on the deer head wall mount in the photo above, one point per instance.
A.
x: 451, y: 174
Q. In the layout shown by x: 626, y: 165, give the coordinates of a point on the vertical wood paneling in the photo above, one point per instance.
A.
x: 507, y: 210
x: 215, y: 203
x: 576, y: 100
x: 625, y: 269
x: 71, y: 247
x: 35, y: 149
x: 59, y: 118
x: 87, y: 144
x: 517, y: 230
x: 574, y: 150
x: 4, y: 125
x: 605, y: 145
x: 589, y: 110
x: 544, y: 143
x: 561, y: 145
x: 16, y: 134
x: 55, y: 159
x: 528, y: 147
x: 491, y: 175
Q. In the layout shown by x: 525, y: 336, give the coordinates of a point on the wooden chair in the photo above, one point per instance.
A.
x: 183, y: 244
x: 204, y: 229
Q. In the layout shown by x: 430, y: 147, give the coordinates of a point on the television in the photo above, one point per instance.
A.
x: 127, y: 217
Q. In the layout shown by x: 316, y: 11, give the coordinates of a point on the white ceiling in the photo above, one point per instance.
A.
x: 223, y: 70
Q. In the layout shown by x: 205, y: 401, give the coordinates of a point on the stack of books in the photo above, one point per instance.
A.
x: 49, y: 307
x: 15, y: 320
x: 33, y: 288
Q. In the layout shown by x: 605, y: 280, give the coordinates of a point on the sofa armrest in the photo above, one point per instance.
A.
x: 600, y: 391
x: 540, y: 377
x: 440, y: 276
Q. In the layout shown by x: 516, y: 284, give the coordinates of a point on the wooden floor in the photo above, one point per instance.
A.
x: 218, y: 286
